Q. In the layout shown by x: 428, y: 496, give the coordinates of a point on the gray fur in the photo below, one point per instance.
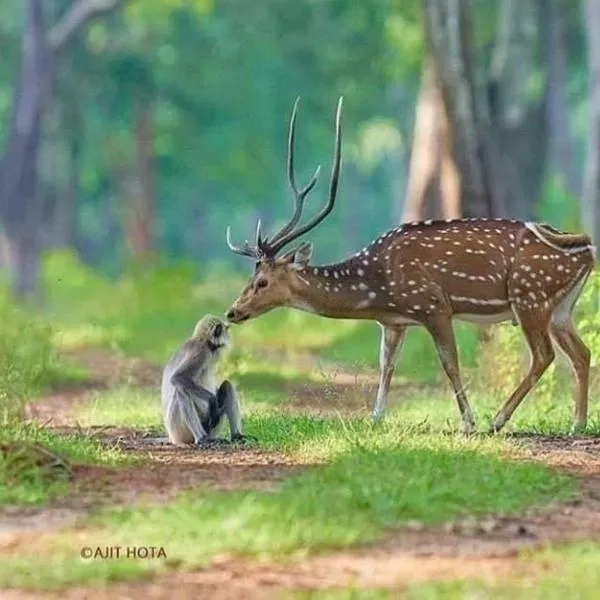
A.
x: 192, y: 405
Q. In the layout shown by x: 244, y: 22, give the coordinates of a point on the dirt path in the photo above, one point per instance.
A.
x: 484, y: 548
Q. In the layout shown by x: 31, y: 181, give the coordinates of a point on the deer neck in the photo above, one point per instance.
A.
x: 345, y: 290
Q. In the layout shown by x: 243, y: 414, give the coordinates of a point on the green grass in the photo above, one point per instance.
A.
x: 370, y: 482
x: 572, y: 572
x: 27, y: 486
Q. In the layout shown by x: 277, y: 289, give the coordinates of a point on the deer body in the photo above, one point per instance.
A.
x: 429, y: 273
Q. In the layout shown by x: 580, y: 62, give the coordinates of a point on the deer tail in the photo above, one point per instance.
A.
x: 571, y: 243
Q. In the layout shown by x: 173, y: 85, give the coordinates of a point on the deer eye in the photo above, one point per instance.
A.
x: 262, y: 283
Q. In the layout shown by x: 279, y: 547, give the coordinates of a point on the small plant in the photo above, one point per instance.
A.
x: 27, y: 359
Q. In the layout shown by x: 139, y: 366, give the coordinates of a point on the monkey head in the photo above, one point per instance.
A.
x: 213, y: 331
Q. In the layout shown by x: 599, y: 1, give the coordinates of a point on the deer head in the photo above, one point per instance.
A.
x: 276, y: 278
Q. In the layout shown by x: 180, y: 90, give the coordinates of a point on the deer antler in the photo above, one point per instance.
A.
x: 288, y: 233
x: 299, y: 195
x: 246, y: 249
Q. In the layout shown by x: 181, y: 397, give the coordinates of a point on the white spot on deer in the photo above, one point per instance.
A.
x: 411, y: 282
x: 449, y: 253
x: 456, y: 243
x: 560, y: 267
x: 532, y: 295
x: 363, y: 304
x: 363, y: 286
x: 360, y: 272
x: 548, y: 278
x: 392, y: 283
x: 315, y: 271
x: 365, y: 262
x: 326, y: 273
x: 336, y: 275
x: 392, y: 304
x: 388, y: 271
x: 416, y: 307
x: 372, y: 295
x: 353, y: 287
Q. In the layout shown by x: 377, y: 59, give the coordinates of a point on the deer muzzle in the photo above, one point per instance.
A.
x: 233, y: 315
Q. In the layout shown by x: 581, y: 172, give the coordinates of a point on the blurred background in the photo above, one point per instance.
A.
x: 132, y: 132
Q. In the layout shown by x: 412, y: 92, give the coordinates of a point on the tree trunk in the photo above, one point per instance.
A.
x: 497, y: 138
x: 560, y: 160
x: 591, y: 183
x: 433, y: 187
x: 20, y: 208
x: 449, y: 39
x: 18, y: 171
x: 139, y: 188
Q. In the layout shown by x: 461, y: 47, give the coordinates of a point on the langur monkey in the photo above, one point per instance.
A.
x: 192, y: 404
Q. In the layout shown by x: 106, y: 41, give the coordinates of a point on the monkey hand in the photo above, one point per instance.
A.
x: 242, y: 438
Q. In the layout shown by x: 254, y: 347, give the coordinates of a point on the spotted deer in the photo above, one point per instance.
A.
x: 428, y: 273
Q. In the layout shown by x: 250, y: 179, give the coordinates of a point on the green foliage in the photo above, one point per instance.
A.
x: 28, y: 362
x: 29, y: 484
x: 557, y: 206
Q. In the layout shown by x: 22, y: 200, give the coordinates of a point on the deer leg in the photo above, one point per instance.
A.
x: 579, y: 356
x: 566, y: 337
x: 542, y: 355
x: 391, y: 341
x: 442, y: 332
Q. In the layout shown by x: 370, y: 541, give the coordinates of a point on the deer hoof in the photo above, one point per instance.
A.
x: 496, y: 426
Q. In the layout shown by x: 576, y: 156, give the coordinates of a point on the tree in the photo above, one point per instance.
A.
x: 433, y: 177
x: 20, y: 204
x: 495, y: 149
x: 591, y: 183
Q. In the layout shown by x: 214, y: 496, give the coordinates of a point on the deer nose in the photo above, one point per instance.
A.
x: 230, y: 315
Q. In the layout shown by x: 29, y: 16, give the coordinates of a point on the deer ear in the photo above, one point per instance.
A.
x: 299, y: 257
x: 302, y: 255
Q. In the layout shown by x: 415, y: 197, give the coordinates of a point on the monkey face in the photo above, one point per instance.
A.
x: 213, y: 330
x: 220, y: 334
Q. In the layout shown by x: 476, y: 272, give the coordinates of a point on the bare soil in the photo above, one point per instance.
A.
x: 484, y: 548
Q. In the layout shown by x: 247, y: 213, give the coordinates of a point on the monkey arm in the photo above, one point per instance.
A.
x: 182, y: 378
x: 228, y: 404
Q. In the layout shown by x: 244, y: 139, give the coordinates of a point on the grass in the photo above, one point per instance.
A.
x: 571, y: 571
x: 366, y: 483
x: 27, y: 486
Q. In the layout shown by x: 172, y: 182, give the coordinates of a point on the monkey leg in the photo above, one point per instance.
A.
x: 209, y: 416
x: 186, y: 422
x: 228, y: 403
